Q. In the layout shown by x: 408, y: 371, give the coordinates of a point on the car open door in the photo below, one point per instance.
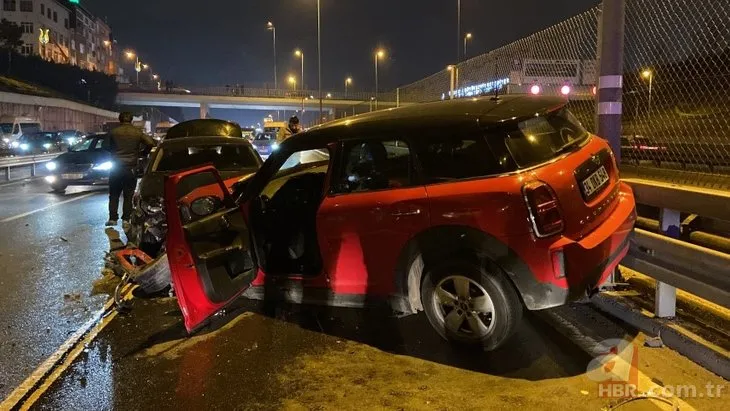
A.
x: 209, y: 246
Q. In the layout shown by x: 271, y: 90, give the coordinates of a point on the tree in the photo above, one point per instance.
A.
x: 11, y: 35
x: 11, y: 38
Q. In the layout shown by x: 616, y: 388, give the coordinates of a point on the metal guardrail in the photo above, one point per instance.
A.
x: 675, y: 263
x: 24, y: 161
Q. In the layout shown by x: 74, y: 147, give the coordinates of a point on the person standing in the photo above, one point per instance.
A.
x: 126, y: 143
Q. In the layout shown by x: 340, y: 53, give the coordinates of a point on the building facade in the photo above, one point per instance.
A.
x: 46, y: 27
x: 64, y: 32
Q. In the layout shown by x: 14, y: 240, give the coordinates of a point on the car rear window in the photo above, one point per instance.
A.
x: 540, y: 138
x: 228, y: 157
x: 451, y: 156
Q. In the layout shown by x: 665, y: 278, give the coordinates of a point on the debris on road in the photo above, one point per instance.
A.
x: 64, y: 239
x: 654, y: 342
x: 72, y: 297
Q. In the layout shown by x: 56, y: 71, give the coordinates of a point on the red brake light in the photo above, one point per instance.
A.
x: 544, y: 209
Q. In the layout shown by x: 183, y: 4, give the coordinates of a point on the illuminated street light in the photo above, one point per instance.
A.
x: 565, y: 90
x: 137, y: 67
x: 145, y: 66
x: 467, y: 37
x: 155, y: 76
x: 329, y: 95
x: 649, y: 75
x: 535, y: 89
x: 379, y: 54
x: 300, y: 54
x: 348, y: 81
x: 270, y: 26
x: 292, y: 81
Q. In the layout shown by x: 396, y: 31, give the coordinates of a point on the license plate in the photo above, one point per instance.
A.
x: 73, y: 176
x: 595, y: 181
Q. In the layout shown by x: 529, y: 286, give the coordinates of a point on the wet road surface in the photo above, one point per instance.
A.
x: 267, y: 357
x: 51, y: 251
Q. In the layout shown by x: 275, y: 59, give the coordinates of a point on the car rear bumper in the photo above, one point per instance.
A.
x: 563, y: 269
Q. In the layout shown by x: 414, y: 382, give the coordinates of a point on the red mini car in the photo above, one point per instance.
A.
x: 469, y: 210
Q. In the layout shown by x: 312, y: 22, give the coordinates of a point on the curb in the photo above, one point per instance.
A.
x: 704, y: 355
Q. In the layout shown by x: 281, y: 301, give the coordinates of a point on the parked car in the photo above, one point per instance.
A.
x: 469, y: 210
x: 233, y: 157
x: 204, y: 128
x: 86, y: 163
x: 41, y: 142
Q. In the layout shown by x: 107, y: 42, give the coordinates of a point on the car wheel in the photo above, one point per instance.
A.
x: 59, y: 188
x: 468, y: 304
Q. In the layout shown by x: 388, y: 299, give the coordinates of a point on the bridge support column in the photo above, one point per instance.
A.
x: 204, y: 110
x: 665, y: 299
x: 610, y: 80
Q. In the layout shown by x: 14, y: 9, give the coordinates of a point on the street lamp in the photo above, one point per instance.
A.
x: 300, y: 54
x: 137, y: 67
x: 293, y: 82
x: 649, y: 75
x: 329, y: 95
x: 348, y: 81
x: 452, y: 80
x: 467, y: 37
x: 270, y: 26
x: 379, y: 54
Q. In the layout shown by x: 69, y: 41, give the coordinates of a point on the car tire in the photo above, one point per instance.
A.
x: 483, y: 311
x: 59, y: 188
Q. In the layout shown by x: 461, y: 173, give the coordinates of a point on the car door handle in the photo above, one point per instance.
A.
x: 416, y: 211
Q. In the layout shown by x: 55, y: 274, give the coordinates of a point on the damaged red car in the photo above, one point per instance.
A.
x: 470, y: 210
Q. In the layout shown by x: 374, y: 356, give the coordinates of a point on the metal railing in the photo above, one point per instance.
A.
x: 244, y: 91
x: 7, y: 164
x: 675, y: 263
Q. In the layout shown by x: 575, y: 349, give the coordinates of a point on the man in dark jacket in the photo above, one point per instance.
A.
x: 126, y: 145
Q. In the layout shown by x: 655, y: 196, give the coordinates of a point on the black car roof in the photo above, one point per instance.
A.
x: 204, y: 127
x: 202, y: 141
x: 452, y: 113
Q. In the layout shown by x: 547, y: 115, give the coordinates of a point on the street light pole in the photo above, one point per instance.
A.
x: 376, y: 81
x: 319, y: 57
x: 467, y: 36
x: 348, y: 81
x: 271, y: 27
x: 458, y: 29
x: 300, y: 54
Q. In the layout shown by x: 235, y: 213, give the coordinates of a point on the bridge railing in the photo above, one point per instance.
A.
x: 245, y: 91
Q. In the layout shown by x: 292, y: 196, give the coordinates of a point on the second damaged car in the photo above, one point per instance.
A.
x: 234, y: 157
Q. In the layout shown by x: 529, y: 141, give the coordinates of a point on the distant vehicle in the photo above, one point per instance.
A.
x: 85, y: 163
x: 204, y: 128
x: 41, y: 142
x: 161, y: 130
x: 248, y: 133
x: 13, y: 128
x: 268, y: 141
x: 471, y: 210
x: 233, y: 156
x: 71, y: 137
x: 637, y: 148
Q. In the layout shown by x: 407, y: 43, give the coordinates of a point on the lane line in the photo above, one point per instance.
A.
x: 25, y: 180
x: 19, y: 216
x: 52, y: 368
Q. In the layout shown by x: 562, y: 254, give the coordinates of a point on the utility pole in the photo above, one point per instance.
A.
x: 610, y: 81
x: 458, y: 29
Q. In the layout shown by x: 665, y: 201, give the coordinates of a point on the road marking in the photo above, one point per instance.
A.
x: 25, y: 180
x: 19, y: 216
x: 54, y: 366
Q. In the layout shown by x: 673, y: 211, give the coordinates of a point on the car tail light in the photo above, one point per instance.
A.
x: 544, y: 209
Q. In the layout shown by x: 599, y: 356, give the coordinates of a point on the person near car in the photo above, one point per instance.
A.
x: 126, y: 143
x: 292, y: 128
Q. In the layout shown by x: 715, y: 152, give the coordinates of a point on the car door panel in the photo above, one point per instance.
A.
x: 211, y: 257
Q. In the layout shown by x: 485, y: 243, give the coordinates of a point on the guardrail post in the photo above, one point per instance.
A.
x: 32, y: 170
x: 665, y: 299
x: 7, y: 173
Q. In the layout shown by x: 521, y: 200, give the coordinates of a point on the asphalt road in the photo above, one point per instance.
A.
x: 51, y: 252
x: 270, y: 356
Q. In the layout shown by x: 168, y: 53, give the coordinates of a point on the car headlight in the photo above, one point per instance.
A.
x: 105, y: 166
x: 14, y: 144
x: 51, y: 165
x: 274, y: 147
x: 24, y: 146
x: 47, y: 146
x: 71, y: 141
x: 152, y: 205
x: 205, y: 206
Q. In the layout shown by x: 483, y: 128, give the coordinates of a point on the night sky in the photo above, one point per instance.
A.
x: 219, y: 42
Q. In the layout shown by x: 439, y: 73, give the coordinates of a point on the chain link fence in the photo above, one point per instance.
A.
x: 677, y: 85
x: 676, y: 79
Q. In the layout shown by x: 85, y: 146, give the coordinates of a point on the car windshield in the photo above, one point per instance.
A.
x: 542, y: 138
x: 45, y: 137
x: 84, y: 145
x: 7, y: 128
x: 30, y: 128
x: 225, y: 157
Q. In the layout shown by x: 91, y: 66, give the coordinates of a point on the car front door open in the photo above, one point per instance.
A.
x: 209, y: 246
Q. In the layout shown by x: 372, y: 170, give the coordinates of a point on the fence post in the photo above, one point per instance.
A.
x: 610, y: 80
x: 397, y: 97
x: 665, y: 297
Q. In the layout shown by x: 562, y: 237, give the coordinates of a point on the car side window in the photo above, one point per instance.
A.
x: 16, y: 129
x: 99, y: 144
x: 371, y: 165
x: 451, y: 157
